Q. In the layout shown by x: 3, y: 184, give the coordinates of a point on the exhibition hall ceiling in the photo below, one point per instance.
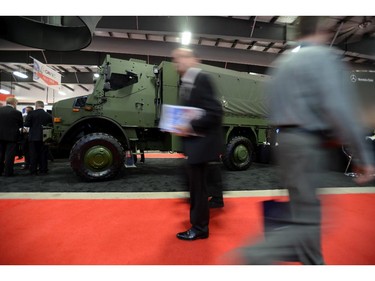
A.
x: 242, y: 43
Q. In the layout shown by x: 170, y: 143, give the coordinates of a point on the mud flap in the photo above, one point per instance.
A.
x: 129, y: 160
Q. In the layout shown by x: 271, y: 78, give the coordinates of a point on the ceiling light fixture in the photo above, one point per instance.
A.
x: 5, y: 92
x: 186, y: 38
x: 20, y: 74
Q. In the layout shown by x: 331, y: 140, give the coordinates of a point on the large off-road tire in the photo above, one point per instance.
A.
x: 97, y: 156
x: 239, y: 154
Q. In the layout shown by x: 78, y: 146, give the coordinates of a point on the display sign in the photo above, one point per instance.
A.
x: 46, y: 75
x: 364, y: 84
x: 174, y: 116
x: 3, y: 97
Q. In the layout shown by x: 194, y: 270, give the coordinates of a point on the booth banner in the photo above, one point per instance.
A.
x: 46, y: 75
x: 3, y: 97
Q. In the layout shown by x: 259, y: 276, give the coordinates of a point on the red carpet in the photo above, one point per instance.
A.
x: 163, y: 155
x: 142, y: 231
x: 19, y: 160
x: 147, y: 155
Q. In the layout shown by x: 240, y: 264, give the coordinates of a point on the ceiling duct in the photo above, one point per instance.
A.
x: 53, y: 33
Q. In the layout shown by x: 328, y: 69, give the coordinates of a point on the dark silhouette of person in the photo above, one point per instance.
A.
x: 36, y: 120
x: 10, y: 124
x: 25, y: 141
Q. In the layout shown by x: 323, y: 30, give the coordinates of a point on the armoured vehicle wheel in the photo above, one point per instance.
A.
x: 239, y: 154
x: 97, y: 156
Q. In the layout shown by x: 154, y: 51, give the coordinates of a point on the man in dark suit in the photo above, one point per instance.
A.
x: 25, y: 141
x: 10, y: 125
x: 202, y: 138
x: 35, y: 120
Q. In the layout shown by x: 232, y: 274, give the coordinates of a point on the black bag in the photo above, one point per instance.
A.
x: 264, y: 153
x: 277, y: 214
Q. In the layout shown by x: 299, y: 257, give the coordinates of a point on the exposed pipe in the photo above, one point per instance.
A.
x: 75, y: 73
x: 337, y: 32
x: 252, y: 30
x: 45, y: 59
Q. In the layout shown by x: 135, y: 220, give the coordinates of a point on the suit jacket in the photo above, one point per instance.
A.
x: 209, y: 146
x: 10, y: 123
x: 35, y: 120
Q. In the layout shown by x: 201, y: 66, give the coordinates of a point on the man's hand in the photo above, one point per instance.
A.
x: 184, y: 131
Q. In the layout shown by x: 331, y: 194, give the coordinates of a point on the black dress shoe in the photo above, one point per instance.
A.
x: 192, y: 234
x: 216, y: 203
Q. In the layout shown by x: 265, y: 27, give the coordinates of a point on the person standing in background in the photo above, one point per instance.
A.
x: 28, y: 109
x: 309, y: 103
x: 35, y: 121
x: 25, y: 141
x: 201, y: 139
x: 10, y: 124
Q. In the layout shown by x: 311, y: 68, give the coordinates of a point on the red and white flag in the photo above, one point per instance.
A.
x: 46, y: 75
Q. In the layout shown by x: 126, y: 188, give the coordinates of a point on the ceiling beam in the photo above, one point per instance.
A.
x: 84, y: 88
x: 36, y: 85
x: 70, y: 88
x: 127, y: 48
x: 164, y: 49
x: 57, y: 58
x: 205, y: 26
x: 67, y: 78
x: 156, y: 51
x: 22, y: 86
x: 201, y: 26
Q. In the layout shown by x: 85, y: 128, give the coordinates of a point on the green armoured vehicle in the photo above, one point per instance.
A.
x: 106, y: 130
